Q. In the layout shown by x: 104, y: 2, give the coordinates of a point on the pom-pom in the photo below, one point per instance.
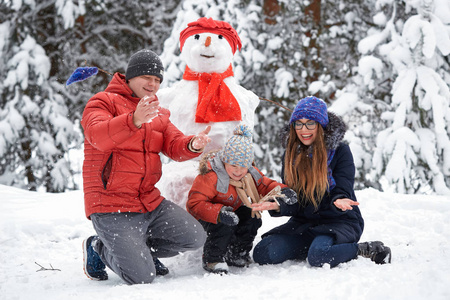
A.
x: 82, y: 73
x: 243, y: 130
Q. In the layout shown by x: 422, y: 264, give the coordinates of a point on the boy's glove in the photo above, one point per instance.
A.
x: 289, y: 196
x: 227, y: 216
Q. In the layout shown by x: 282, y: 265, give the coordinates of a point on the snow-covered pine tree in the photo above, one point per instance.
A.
x: 35, y: 131
x: 415, y: 151
x: 41, y: 44
x: 362, y: 101
x: 411, y: 146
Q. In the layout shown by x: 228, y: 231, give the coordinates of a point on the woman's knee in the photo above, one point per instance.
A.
x: 261, y: 253
x: 319, y: 252
x: 317, y: 257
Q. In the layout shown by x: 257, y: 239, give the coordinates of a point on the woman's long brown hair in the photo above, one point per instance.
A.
x: 306, y: 171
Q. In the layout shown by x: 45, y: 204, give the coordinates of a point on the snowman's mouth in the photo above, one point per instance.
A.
x: 207, y: 56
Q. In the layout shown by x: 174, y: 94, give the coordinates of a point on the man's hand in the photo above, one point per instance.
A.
x: 201, y: 140
x: 345, y: 204
x: 146, y: 110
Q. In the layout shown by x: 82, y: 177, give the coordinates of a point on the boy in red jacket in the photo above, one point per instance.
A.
x: 219, y: 200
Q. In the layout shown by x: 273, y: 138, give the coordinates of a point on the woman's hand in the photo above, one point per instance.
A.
x: 146, y: 110
x: 265, y: 206
x: 345, y: 204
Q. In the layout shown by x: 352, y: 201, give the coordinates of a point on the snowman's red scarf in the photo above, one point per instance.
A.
x: 215, y: 103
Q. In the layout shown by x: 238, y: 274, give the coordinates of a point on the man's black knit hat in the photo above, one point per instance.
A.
x: 144, y: 62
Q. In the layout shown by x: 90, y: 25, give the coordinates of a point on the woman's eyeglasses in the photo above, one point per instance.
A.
x: 309, y: 125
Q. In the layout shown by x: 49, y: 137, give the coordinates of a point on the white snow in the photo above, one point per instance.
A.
x: 380, y: 18
x: 48, y: 229
x: 415, y: 30
x: 370, y: 67
x: 70, y: 11
x: 30, y: 56
x: 283, y: 79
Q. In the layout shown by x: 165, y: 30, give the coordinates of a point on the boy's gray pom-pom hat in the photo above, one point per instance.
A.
x: 311, y: 108
x: 238, y: 150
x: 144, y: 62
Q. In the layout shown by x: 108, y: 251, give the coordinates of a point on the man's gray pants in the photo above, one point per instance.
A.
x: 128, y: 241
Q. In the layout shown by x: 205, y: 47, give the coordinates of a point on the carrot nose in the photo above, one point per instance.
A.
x: 208, y: 41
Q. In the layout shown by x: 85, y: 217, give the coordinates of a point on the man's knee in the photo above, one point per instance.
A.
x: 199, y: 238
x: 138, y: 278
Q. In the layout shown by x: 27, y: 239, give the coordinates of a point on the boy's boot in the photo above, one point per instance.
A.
x: 215, y: 267
x: 240, y: 260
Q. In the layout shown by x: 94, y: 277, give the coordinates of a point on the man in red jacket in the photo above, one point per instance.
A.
x: 125, y: 132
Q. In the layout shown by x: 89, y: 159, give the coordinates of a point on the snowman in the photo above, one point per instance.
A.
x: 207, y: 95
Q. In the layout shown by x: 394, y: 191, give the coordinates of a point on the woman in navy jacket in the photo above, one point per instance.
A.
x: 326, y: 223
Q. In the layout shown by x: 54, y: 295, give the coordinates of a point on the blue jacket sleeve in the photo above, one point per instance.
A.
x: 343, y: 169
x: 286, y: 210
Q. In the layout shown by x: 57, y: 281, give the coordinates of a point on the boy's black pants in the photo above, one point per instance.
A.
x: 235, y: 239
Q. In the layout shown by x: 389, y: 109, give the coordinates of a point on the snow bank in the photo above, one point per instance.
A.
x: 48, y: 229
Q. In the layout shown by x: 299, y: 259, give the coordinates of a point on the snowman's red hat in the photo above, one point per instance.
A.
x: 213, y: 26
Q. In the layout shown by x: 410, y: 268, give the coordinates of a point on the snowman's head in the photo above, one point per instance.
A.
x: 207, y: 52
x: 208, y: 45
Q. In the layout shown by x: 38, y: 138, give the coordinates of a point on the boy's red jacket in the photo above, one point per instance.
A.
x: 122, y: 163
x: 204, y: 201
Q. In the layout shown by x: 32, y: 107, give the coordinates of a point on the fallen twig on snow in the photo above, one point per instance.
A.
x: 46, y: 269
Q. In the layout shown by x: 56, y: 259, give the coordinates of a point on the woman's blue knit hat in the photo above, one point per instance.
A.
x: 238, y: 150
x: 311, y: 108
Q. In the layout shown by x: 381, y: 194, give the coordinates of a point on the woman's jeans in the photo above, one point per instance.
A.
x: 318, y: 250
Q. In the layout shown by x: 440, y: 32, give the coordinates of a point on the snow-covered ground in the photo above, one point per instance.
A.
x: 48, y: 229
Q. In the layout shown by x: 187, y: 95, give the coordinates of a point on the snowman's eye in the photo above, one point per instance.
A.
x: 197, y: 36
x: 220, y: 37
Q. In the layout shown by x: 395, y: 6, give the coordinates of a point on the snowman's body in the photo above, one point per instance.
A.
x: 183, y: 102
x: 181, y: 99
x: 203, y: 53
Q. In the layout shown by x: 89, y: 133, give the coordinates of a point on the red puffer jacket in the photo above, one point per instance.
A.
x: 122, y: 164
